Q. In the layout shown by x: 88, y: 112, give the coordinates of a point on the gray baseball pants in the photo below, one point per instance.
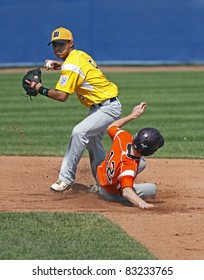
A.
x: 88, y: 135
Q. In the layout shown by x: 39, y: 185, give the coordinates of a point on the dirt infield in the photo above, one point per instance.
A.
x: 172, y: 230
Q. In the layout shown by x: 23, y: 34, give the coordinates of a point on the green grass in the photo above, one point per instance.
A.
x: 175, y: 107
x: 43, y: 126
x: 65, y: 236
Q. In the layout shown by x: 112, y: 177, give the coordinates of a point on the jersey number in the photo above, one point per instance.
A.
x: 110, y: 167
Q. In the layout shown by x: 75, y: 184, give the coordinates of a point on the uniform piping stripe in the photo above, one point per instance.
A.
x: 117, y: 133
x: 127, y: 173
x: 74, y: 68
x: 87, y: 85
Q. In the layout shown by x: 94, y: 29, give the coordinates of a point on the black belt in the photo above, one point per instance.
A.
x: 100, y: 104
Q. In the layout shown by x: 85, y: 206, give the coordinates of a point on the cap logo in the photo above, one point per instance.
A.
x: 56, y: 34
x: 144, y: 146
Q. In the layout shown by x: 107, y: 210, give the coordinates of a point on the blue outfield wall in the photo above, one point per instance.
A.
x: 112, y: 31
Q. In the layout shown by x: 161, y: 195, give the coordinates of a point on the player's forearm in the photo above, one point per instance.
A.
x: 121, y: 122
x: 58, y: 95
x: 52, y: 93
x: 129, y: 194
x: 136, y: 113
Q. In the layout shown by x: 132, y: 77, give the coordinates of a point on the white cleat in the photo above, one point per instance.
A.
x: 59, y: 186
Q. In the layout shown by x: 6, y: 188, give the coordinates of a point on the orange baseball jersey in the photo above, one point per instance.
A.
x: 119, y: 169
x: 80, y: 74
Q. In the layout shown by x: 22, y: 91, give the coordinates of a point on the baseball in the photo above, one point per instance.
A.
x: 48, y: 64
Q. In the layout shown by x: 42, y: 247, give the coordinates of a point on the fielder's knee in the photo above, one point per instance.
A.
x: 77, y: 130
x: 78, y: 136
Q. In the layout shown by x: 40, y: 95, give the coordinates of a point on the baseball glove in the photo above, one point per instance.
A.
x: 30, y: 80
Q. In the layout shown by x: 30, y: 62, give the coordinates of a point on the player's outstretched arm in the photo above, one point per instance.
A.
x: 136, y: 113
x: 129, y: 194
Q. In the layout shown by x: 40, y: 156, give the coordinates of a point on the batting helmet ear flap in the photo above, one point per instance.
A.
x: 147, y: 141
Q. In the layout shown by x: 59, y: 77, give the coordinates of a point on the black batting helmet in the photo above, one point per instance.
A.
x: 147, y: 141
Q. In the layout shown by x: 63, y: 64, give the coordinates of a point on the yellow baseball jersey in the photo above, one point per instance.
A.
x: 80, y: 75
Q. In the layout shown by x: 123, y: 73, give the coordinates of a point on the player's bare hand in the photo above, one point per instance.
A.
x: 52, y: 64
x: 145, y: 205
x: 139, y: 109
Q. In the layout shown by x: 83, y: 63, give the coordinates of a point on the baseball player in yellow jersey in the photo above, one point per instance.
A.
x: 81, y: 75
